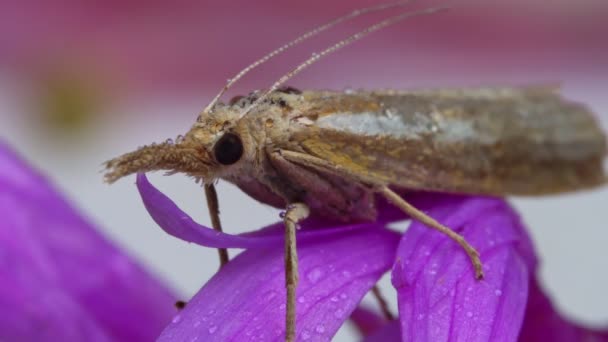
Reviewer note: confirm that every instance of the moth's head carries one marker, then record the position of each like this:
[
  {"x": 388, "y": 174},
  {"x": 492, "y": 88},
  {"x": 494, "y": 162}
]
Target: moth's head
[{"x": 212, "y": 145}]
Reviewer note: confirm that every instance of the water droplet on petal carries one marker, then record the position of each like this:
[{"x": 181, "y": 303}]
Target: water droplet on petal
[
  {"x": 339, "y": 313},
  {"x": 301, "y": 299},
  {"x": 320, "y": 329},
  {"x": 469, "y": 314},
  {"x": 305, "y": 335},
  {"x": 498, "y": 293},
  {"x": 270, "y": 295},
  {"x": 212, "y": 329},
  {"x": 314, "y": 275},
  {"x": 177, "y": 319}
]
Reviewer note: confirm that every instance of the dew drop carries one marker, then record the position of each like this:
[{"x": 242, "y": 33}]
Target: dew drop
[
  {"x": 177, "y": 319},
  {"x": 320, "y": 329},
  {"x": 314, "y": 275},
  {"x": 212, "y": 329},
  {"x": 305, "y": 335},
  {"x": 469, "y": 314},
  {"x": 196, "y": 323},
  {"x": 498, "y": 293},
  {"x": 282, "y": 307},
  {"x": 339, "y": 313},
  {"x": 334, "y": 299},
  {"x": 347, "y": 274},
  {"x": 301, "y": 299},
  {"x": 270, "y": 295}
]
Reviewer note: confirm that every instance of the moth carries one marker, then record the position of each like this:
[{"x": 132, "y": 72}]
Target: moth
[{"x": 332, "y": 153}]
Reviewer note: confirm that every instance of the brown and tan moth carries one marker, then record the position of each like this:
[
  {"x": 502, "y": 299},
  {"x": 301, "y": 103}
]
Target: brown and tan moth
[{"x": 332, "y": 153}]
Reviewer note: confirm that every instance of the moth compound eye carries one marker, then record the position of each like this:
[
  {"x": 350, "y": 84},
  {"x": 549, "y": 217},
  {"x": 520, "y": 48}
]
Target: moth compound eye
[{"x": 228, "y": 150}]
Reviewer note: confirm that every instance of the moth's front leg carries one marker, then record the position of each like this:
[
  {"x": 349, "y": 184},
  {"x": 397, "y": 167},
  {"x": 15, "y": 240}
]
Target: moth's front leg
[
  {"x": 214, "y": 212},
  {"x": 294, "y": 213}
]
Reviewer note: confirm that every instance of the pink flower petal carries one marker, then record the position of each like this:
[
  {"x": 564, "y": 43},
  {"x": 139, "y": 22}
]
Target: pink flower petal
[
  {"x": 439, "y": 299},
  {"x": 367, "y": 321},
  {"x": 544, "y": 323},
  {"x": 62, "y": 277},
  {"x": 391, "y": 332},
  {"x": 374, "y": 327},
  {"x": 177, "y": 223},
  {"x": 245, "y": 300},
  {"x": 34, "y": 309}
]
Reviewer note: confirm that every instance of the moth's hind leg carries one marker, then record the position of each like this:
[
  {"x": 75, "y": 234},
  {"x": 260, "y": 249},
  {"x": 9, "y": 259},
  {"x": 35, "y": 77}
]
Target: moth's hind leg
[
  {"x": 295, "y": 212},
  {"x": 431, "y": 222},
  {"x": 327, "y": 166}
]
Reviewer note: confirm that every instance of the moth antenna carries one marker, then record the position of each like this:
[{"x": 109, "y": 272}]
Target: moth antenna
[
  {"x": 339, "y": 45},
  {"x": 352, "y": 15}
]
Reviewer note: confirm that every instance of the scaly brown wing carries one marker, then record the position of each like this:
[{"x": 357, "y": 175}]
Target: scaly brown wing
[{"x": 498, "y": 141}]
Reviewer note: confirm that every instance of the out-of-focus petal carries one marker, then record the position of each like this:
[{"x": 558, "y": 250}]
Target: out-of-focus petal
[
  {"x": 51, "y": 256},
  {"x": 439, "y": 298},
  {"x": 33, "y": 309},
  {"x": 544, "y": 323},
  {"x": 391, "y": 332},
  {"x": 375, "y": 328},
  {"x": 177, "y": 223},
  {"x": 367, "y": 321},
  {"x": 246, "y": 299}
]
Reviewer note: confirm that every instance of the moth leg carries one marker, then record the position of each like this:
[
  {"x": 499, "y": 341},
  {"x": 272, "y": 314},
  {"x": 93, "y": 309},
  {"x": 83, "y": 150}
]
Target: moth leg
[
  {"x": 322, "y": 164},
  {"x": 214, "y": 212},
  {"x": 382, "y": 302},
  {"x": 294, "y": 213},
  {"x": 431, "y": 222}
]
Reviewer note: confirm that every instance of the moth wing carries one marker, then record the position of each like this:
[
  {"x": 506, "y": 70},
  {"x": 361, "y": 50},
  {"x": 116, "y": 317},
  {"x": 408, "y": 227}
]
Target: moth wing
[{"x": 496, "y": 141}]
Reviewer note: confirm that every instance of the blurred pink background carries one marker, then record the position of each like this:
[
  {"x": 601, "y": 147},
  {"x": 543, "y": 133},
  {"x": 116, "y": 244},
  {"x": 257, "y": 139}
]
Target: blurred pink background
[{"x": 83, "y": 81}]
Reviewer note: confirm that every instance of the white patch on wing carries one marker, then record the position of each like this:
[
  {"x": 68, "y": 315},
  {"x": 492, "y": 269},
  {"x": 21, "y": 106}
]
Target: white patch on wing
[{"x": 412, "y": 126}]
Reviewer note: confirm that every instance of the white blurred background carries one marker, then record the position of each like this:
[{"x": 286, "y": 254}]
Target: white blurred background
[{"x": 83, "y": 83}]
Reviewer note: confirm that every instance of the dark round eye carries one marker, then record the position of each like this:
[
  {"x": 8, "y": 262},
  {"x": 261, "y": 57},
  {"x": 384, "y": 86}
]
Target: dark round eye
[{"x": 228, "y": 150}]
